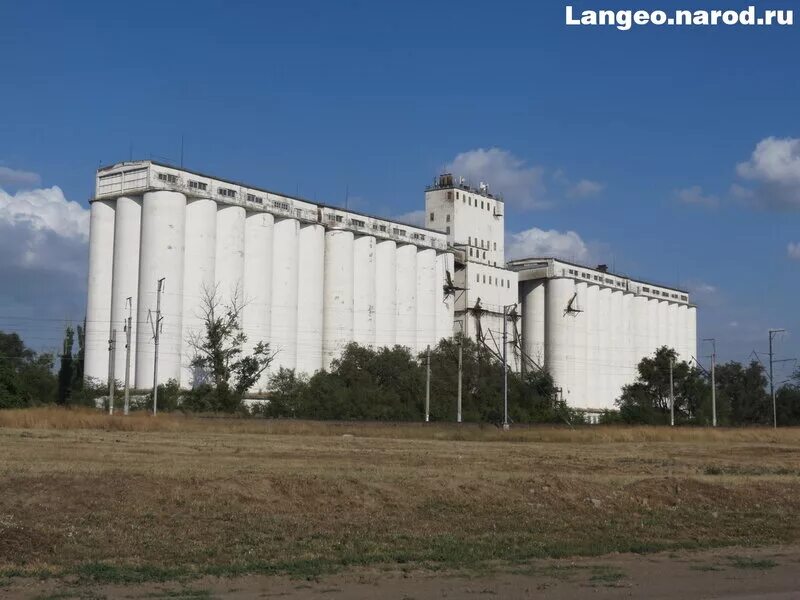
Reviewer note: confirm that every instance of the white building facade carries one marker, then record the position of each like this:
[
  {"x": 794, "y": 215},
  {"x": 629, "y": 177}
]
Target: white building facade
[{"x": 311, "y": 277}]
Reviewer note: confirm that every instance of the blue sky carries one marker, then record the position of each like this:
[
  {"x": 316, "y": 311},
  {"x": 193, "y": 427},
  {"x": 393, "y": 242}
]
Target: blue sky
[{"x": 631, "y": 140}]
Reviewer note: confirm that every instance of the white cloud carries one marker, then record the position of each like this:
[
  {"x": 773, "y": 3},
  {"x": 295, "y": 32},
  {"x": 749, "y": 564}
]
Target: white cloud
[
  {"x": 415, "y": 217},
  {"x": 704, "y": 293},
  {"x": 694, "y": 196},
  {"x": 774, "y": 173},
  {"x": 536, "y": 242},
  {"x": 793, "y": 250},
  {"x": 16, "y": 178},
  {"x": 585, "y": 188},
  {"x": 520, "y": 183},
  {"x": 43, "y": 259}
]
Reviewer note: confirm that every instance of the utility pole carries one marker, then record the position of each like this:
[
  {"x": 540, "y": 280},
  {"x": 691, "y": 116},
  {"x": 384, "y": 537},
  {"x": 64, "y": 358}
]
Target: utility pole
[
  {"x": 128, "y": 321},
  {"x": 156, "y": 335},
  {"x": 671, "y": 395},
  {"x": 505, "y": 367},
  {"x": 460, "y": 370},
  {"x": 772, "y": 333},
  {"x": 713, "y": 380},
  {"x": 111, "y": 344},
  {"x": 428, "y": 389}
]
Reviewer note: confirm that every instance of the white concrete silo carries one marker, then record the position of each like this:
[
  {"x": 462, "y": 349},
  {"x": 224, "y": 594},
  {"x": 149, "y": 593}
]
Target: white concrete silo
[
  {"x": 692, "y": 330},
  {"x": 616, "y": 349},
  {"x": 283, "y": 321},
  {"x": 198, "y": 279},
  {"x": 673, "y": 334},
  {"x": 558, "y": 332},
  {"x": 640, "y": 332},
  {"x": 98, "y": 304},
  {"x": 444, "y": 302},
  {"x": 682, "y": 342},
  {"x": 426, "y": 299},
  {"x": 385, "y": 293},
  {"x": 161, "y": 256},
  {"x": 338, "y": 323},
  {"x": 628, "y": 371},
  {"x": 406, "y": 296},
  {"x": 364, "y": 290},
  {"x": 593, "y": 355},
  {"x": 580, "y": 364},
  {"x": 127, "y": 228},
  {"x": 653, "y": 317},
  {"x": 230, "y": 254},
  {"x": 663, "y": 323},
  {"x": 257, "y": 282},
  {"x": 310, "y": 298},
  {"x": 603, "y": 358},
  {"x": 533, "y": 319}
]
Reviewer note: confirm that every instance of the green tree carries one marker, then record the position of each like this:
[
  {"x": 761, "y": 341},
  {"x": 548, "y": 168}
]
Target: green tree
[
  {"x": 647, "y": 400},
  {"x": 26, "y": 378},
  {"x": 742, "y": 397},
  {"x": 219, "y": 355},
  {"x": 66, "y": 372}
]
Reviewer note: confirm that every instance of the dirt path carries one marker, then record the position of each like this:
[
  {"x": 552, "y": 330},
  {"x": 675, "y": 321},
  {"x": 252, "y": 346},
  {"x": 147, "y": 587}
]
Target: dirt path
[{"x": 743, "y": 574}]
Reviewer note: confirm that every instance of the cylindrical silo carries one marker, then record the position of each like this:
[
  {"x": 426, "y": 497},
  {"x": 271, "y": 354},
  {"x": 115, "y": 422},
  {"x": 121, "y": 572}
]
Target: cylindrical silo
[
  {"x": 257, "y": 282},
  {"x": 127, "y": 227},
  {"x": 364, "y": 290},
  {"x": 628, "y": 367},
  {"x": 692, "y": 330},
  {"x": 617, "y": 349},
  {"x": 337, "y": 325},
  {"x": 663, "y": 323},
  {"x": 604, "y": 358},
  {"x": 98, "y": 304},
  {"x": 558, "y": 332},
  {"x": 682, "y": 332},
  {"x": 385, "y": 293},
  {"x": 406, "y": 285},
  {"x": 310, "y": 298},
  {"x": 444, "y": 302},
  {"x": 672, "y": 328},
  {"x": 230, "y": 254},
  {"x": 640, "y": 331},
  {"x": 532, "y": 296},
  {"x": 652, "y": 326},
  {"x": 198, "y": 280},
  {"x": 161, "y": 257},
  {"x": 426, "y": 298},
  {"x": 580, "y": 364},
  {"x": 594, "y": 382},
  {"x": 283, "y": 320}
]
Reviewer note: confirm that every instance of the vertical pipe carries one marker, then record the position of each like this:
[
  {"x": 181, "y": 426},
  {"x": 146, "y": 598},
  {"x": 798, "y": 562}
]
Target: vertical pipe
[
  {"x": 257, "y": 282},
  {"x": 337, "y": 328},
  {"x": 98, "y": 304},
  {"x": 364, "y": 291},
  {"x": 406, "y": 294},
  {"x": 198, "y": 279},
  {"x": 385, "y": 293},
  {"x": 310, "y": 298},
  {"x": 161, "y": 256},
  {"x": 284, "y": 321},
  {"x": 426, "y": 298},
  {"x": 127, "y": 228}
]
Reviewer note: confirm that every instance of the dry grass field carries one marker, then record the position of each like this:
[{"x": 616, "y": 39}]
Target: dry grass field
[{"x": 88, "y": 497}]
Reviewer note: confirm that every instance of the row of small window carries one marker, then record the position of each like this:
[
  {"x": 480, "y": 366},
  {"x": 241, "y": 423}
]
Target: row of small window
[
  {"x": 655, "y": 292},
  {"x": 497, "y": 281},
  {"x": 433, "y": 217},
  {"x": 465, "y": 199},
  {"x": 598, "y": 278},
  {"x": 484, "y": 244},
  {"x": 376, "y": 227}
]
